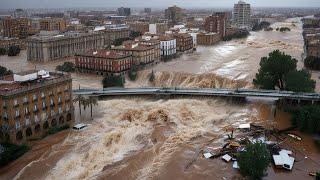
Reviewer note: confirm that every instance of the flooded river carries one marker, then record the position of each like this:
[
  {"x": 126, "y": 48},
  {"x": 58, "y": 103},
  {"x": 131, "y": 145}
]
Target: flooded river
[{"x": 150, "y": 138}]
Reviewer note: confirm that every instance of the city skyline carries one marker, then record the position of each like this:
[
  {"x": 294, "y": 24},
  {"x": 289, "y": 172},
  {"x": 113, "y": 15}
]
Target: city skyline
[{"x": 11, "y": 4}]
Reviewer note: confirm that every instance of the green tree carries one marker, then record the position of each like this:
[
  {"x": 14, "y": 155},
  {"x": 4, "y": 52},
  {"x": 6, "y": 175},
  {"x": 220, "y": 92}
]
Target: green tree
[
  {"x": 113, "y": 81},
  {"x": 312, "y": 63},
  {"x": 134, "y": 34},
  {"x": 254, "y": 161},
  {"x": 318, "y": 176},
  {"x": 119, "y": 42},
  {"x": 133, "y": 72},
  {"x": 66, "y": 67},
  {"x": 4, "y": 71},
  {"x": 80, "y": 100},
  {"x": 260, "y": 26},
  {"x": 273, "y": 70},
  {"x": 284, "y": 29},
  {"x": 307, "y": 118},
  {"x": 11, "y": 152},
  {"x": 299, "y": 81},
  {"x": 152, "y": 77},
  {"x": 13, "y": 51},
  {"x": 91, "y": 101},
  {"x": 3, "y": 51}
]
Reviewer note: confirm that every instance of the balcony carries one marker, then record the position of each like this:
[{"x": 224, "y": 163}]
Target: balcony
[
  {"x": 52, "y": 105},
  {"x": 17, "y": 117},
  {"x": 36, "y": 110}
]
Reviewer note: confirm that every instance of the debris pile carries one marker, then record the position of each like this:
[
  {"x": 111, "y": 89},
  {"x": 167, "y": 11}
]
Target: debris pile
[{"x": 245, "y": 134}]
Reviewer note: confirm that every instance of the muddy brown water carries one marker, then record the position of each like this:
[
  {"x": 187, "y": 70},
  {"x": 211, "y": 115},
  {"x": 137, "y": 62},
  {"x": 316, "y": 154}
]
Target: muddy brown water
[{"x": 139, "y": 138}]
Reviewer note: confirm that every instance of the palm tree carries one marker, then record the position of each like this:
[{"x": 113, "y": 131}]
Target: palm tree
[
  {"x": 81, "y": 100},
  {"x": 91, "y": 101}
]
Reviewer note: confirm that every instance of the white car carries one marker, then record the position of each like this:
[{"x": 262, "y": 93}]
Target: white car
[{"x": 79, "y": 126}]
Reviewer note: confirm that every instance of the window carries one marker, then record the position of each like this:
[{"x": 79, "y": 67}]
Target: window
[
  {"x": 51, "y": 102},
  {"x": 35, "y": 97},
  {"x": 17, "y": 125},
  {"x": 67, "y": 107},
  {"x": 59, "y": 99},
  {"x": 36, "y": 118},
  {"x": 5, "y": 116},
  {"x": 35, "y": 108},
  {"x": 60, "y": 110},
  {"x": 53, "y": 113},
  {"x": 4, "y": 105},
  {"x": 44, "y": 105},
  {"x": 27, "y": 122},
  {"x": 43, "y": 95},
  {"x": 17, "y": 113},
  {"x": 15, "y": 102},
  {"x": 26, "y": 110},
  {"x": 25, "y": 99}
]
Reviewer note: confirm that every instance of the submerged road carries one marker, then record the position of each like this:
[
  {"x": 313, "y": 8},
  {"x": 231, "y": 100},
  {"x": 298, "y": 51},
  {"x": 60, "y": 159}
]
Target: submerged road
[{"x": 241, "y": 93}]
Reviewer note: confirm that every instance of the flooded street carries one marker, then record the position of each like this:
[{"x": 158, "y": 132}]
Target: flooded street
[
  {"x": 153, "y": 138},
  {"x": 233, "y": 61}
]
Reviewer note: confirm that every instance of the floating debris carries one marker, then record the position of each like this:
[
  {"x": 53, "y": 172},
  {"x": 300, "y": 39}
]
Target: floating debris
[
  {"x": 207, "y": 155},
  {"x": 227, "y": 158},
  {"x": 283, "y": 160},
  {"x": 244, "y": 126},
  {"x": 235, "y": 165},
  {"x": 295, "y": 137}
]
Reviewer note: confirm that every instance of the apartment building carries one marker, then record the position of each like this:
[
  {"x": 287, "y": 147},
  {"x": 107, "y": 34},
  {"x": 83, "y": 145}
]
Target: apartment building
[
  {"x": 53, "y": 24},
  {"x": 242, "y": 15},
  {"x": 104, "y": 62},
  {"x": 32, "y": 102},
  {"x": 15, "y": 27},
  {"x": 184, "y": 42}
]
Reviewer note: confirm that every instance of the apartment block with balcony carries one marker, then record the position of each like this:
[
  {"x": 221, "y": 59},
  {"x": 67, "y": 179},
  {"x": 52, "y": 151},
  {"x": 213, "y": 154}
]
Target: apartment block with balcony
[{"x": 32, "y": 102}]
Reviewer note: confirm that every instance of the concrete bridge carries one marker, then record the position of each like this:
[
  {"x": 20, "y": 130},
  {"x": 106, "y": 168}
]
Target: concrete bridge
[{"x": 234, "y": 93}]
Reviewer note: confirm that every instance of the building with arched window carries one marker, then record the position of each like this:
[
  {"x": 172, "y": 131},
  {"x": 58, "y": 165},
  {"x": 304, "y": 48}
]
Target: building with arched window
[{"x": 32, "y": 102}]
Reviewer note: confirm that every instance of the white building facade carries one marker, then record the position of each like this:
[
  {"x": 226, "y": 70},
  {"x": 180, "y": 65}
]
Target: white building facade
[
  {"x": 242, "y": 14},
  {"x": 168, "y": 47}
]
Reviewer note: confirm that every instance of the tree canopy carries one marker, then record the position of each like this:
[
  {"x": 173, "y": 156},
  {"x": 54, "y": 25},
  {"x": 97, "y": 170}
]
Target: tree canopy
[
  {"x": 13, "y": 51},
  {"x": 299, "y": 81},
  {"x": 307, "y": 118},
  {"x": 260, "y": 26},
  {"x": 66, "y": 67},
  {"x": 133, "y": 73},
  {"x": 312, "y": 63},
  {"x": 113, "y": 81},
  {"x": 3, "y": 51},
  {"x": 4, "y": 71},
  {"x": 254, "y": 161},
  {"x": 279, "y": 71}
]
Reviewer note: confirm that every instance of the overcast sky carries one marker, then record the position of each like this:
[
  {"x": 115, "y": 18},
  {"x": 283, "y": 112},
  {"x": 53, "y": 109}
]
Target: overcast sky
[{"x": 6, "y": 4}]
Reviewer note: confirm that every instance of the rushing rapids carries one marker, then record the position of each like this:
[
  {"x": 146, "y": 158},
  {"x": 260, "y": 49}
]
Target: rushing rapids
[{"x": 160, "y": 139}]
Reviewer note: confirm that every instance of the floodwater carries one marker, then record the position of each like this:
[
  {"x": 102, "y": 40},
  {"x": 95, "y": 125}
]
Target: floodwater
[{"x": 146, "y": 138}]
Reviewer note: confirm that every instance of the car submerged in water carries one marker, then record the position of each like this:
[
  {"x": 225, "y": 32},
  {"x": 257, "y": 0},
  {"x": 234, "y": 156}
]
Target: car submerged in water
[{"x": 80, "y": 126}]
